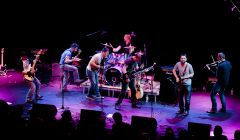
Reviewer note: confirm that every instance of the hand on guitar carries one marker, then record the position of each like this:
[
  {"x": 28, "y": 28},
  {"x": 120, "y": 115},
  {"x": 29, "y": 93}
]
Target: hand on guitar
[
  {"x": 76, "y": 59},
  {"x": 101, "y": 67},
  {"x": 177, "y": 80}
]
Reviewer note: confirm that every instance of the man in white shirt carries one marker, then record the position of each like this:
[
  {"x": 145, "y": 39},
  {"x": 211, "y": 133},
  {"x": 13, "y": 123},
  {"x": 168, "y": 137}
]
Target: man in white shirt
[{"x": 92, "y": 72}]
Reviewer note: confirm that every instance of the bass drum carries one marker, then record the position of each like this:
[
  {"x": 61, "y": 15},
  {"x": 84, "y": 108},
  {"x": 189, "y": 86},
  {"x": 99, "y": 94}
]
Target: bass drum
[{"x": 113, "y": 75}]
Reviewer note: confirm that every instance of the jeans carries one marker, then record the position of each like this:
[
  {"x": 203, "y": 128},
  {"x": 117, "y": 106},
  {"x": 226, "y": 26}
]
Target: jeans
[
  {"x": 123, "y": 92},
  {"x": 184, "y": 89},
  {"x": 34, "y": 87},
  {"x": 65, "y": 68},
  {"x": 93, "y": 77},
  {"x": 217, "y": 88}
]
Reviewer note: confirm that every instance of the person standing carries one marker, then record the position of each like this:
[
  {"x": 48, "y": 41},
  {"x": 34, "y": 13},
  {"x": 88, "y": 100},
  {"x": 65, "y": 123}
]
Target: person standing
[
  {"x": 183, "y": 73},
  {"x": 92, "y": 72},
  {"x": 223, "y": 73},
  {"x": 29, "y": 76},
  {"x": 130, "y": 66}
]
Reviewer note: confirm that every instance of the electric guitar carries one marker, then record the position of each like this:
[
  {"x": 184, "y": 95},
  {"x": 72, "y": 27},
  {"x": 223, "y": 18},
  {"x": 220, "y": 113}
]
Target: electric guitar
[
  {"x": 30, "y": 76},
  {"x": 181, "y": 79},
  {"x": 130, "y": 76}
]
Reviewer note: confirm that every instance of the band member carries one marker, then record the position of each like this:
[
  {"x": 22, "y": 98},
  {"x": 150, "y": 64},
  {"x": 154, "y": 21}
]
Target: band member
[
  {"x": 183, "y": 78},
  {"x": 223, "y": 73},
  {"x": 125, "y": 47},
  {"x": 92, "y": 71},
  {"x": 30, "y": 78},
  {"x": 65, "y": 65},
  {"x": 130, "y": 65}
]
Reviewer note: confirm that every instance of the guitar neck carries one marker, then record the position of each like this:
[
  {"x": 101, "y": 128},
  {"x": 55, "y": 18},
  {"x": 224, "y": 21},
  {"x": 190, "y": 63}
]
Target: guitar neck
[{"x": 144, "y": 70}]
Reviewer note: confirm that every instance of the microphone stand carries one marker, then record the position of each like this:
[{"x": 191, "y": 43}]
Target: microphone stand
[
  {"x": 62, "y": 92},
  {"x": 145, "y": 53}
]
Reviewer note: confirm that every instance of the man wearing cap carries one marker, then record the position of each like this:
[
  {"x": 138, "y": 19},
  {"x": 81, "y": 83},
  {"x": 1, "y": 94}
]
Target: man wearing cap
[{"x": 130, "y": 66}]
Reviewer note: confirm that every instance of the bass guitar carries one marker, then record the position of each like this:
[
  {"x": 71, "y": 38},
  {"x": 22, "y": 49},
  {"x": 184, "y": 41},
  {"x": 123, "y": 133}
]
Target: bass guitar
[
  {"x": 130, "y": 76},
  {"x": 30, "y": 74}
]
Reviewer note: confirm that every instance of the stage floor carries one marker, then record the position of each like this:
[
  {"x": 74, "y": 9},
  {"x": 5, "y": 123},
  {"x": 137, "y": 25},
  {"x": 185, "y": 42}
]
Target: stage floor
[{"x": 13, "y": 90}]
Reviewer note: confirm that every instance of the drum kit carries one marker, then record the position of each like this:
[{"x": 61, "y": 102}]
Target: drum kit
[{"x": 113, "y": 68}]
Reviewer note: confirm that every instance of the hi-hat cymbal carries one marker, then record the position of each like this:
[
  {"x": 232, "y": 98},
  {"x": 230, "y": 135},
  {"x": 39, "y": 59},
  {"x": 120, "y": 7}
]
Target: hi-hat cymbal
[{"x": 129, "y": 47}]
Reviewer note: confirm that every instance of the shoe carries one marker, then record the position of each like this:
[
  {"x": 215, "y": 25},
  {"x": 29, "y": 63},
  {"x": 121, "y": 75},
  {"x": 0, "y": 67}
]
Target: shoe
[
  {"x": 90, "y": 97},
  {"x": 77, "y": 81},
  {"x": 222, "y": 110},
  {"x": 135, "y": 106},
  {"x": 117, "y": 106},
  {"x": 39, "y": 97},
  {"x": 29, "y": 100},
  {"x": 180, "y": 112},
  {"x": 99, "y": 97},
  {"x": 65, "y": 90},
  {"x": 186, "y": 113},
  {"x": 212, "y": 111}
]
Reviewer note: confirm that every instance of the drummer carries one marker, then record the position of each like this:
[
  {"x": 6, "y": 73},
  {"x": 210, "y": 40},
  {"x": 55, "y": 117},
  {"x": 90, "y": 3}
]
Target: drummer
[{"x": 125, "y": 47}]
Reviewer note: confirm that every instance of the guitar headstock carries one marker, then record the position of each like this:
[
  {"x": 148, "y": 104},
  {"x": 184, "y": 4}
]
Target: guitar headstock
[{"x": 38, "y": 54}]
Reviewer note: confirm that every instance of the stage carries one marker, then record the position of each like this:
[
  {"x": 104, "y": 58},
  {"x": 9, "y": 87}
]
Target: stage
[{"x": 13, "y": 90}]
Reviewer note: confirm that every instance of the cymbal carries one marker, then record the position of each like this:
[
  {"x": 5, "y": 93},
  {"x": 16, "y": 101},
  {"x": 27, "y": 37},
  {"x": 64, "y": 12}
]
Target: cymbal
[
  {"x": 129, "y": 47},
  {"x": 105, "y": 44},
  {"x": 35, "y": 51}
]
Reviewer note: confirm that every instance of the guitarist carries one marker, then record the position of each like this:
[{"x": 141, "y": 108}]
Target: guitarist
[
  {"x": 33, "y": 82},
  {"x": 185, "y": 73},
  {"x": 92, "y": 71},
  {"x": 130, "y": 65},
  {"x": 65, "y": 66}
]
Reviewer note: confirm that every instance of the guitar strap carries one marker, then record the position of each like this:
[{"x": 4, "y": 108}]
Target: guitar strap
[{"x": 184, "y": 72}]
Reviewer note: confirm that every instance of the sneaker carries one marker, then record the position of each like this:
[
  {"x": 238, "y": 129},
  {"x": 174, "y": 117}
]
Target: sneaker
[
  {"x": 29, "y": 100},
  {"x": 212, "y": 111},
  {"x": 117, "y": 106},
  {"x": 222, "y": 110},
  {"x": 186, "y": 113},
  {"x": 90, "y": 97},
  {"x": 99, "y": 97},
  {"x": 39, "y": 97},
  {"x": 180, "y": 112},
  {"x": 77, "y": 81}
]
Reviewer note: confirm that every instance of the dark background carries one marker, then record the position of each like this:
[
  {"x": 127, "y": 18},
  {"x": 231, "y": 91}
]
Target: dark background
[{"x": 200, "y": 28}]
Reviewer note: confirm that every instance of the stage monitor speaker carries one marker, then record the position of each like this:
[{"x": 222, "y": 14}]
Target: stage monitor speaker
[
  {"x": 43, "y": 110},
  {"x": 90, "y": 116},
  {"x": 199, "y": 130},
  {"x": 144, "y": 125}
]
